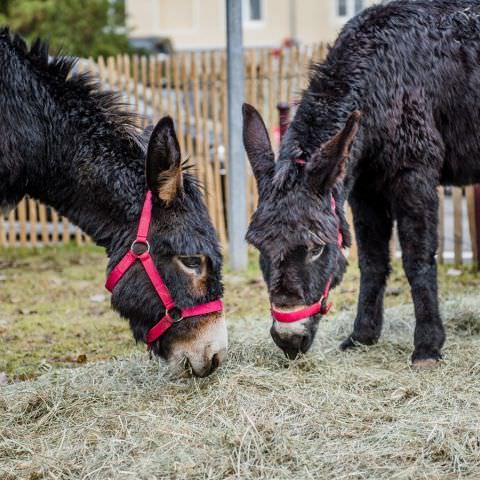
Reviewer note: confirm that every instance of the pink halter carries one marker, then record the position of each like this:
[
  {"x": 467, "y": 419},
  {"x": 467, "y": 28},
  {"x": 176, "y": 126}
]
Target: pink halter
[
  {"x": 173, "y": 314},
  {"x": 321, "y": 306}
]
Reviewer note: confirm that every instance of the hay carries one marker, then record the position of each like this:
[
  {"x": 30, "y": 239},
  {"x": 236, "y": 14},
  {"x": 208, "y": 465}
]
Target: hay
[{"x": 328, "y": 415}]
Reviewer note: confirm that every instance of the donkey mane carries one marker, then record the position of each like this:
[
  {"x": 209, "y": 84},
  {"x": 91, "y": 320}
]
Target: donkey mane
[
  {"x": 59, "y": 70},
  {"x": 67, "y": 143}
]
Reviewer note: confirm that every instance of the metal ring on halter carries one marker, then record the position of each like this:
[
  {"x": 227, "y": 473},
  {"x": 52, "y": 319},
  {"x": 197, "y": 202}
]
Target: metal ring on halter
[
  {"x": 140, "y": 242},
  {"x": 177, "y": 314}
]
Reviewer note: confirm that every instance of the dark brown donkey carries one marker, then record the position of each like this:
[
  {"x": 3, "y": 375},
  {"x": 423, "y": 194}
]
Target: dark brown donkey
[
  {"x": 412, "y": 70},
  {"x": 70, "y": 146}
]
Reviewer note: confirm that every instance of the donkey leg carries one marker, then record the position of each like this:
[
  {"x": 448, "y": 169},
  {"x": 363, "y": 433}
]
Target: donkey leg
[
  {"x": 416, "y": 209},
  {"x": 373, "y": 229}
]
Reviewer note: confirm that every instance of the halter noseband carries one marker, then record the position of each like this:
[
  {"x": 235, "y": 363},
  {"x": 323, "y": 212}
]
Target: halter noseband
[
  {"x": 322, "y": 306},
  {"x": 173, "y": 314}
]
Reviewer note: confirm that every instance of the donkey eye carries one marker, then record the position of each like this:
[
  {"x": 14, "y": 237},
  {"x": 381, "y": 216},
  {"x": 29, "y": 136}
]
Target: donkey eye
[
  {"x": 193, "y": 262},
  {"x": 316, "y": 252}
]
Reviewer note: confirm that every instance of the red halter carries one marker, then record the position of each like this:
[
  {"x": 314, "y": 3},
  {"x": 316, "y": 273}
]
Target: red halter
[
  {"x": 173, "y": 314},
  {"x": 321, "y": 306}
]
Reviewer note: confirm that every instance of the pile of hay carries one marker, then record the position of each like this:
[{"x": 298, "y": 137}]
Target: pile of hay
[{"x": 329, "y": 415}]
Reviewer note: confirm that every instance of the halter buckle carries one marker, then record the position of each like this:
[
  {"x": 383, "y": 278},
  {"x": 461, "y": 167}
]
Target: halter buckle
[
  {"x": 324, "y": 306},
  {"x": 175, "y": 314},
  {"x": 143, "y": 243}
]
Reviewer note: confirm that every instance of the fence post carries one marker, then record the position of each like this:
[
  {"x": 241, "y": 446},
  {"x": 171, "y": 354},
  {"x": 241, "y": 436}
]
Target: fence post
[
  {"x": 457, "y": 225},
  {"x": 470, "y": 194},
  {"x": 284, "y": 117},
  {"x": 441, "y": 223},
  {"x": 477, "y": 221},
  {"x": 237, "y": 201}
]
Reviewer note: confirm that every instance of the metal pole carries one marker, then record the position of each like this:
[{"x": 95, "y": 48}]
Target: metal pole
[
  {"x": 293, "y": 21},
  {"x": 237, "y": 181}
]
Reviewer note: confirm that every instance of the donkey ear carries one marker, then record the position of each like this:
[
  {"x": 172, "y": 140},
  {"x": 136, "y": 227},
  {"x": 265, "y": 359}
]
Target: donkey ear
[
  {"x": 328, "y": 164},
  {"x": 257, "y": 145},
  {"x": 163, "y": 164}
]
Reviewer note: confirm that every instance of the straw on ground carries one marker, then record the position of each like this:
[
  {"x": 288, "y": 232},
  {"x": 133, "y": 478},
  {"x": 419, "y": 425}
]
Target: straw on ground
[{"x": 362, "y": 414}]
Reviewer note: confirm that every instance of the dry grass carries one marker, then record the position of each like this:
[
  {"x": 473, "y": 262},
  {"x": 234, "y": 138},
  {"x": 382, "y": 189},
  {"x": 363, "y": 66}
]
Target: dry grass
[
  {"x": 329, "y": 415},
  {"x": 361, "y": 414},
  {"x": 55, "y": 311}
]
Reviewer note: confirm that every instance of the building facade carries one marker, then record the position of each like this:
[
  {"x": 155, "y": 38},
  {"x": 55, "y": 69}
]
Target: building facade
[{"x": 200, "y": 24}]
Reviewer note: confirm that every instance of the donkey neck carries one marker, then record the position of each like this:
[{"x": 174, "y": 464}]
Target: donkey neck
[
  {"x": 65, "y": 143},
  {"x": 336, "y": 88},
  {"x": 96, "y": 180},
  {"x": 318, "y": 118}
]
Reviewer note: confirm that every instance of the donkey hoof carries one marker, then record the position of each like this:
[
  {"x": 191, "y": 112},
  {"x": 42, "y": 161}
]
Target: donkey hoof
[
  {"x": 354, "y": 342},
  {"x": 425, "y": 363},
  {"x": 348, "y": 344}
]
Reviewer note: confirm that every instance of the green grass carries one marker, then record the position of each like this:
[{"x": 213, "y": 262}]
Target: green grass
[{"x": 55, "y": 311}]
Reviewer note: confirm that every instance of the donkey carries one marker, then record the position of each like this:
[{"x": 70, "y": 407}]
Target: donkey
[
  {"x": 391, "y": 114},
  {"x": 71, "y": 146}
]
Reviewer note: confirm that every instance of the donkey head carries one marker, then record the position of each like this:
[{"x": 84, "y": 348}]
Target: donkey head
[
  {"x": 186, "y": 253},
  {"x": 295, "y": 228}
]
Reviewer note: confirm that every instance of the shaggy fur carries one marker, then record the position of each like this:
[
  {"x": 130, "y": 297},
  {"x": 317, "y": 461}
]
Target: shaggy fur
[
  {"x": 412, "y": 69},
  {"x": 70, "y": 146}
]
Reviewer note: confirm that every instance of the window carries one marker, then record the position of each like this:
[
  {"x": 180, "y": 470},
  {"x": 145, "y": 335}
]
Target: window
[
  {"x": 252, "y": 11},
  {"x": 348, "y": 8},
  {"x": 358, "y": 6}
]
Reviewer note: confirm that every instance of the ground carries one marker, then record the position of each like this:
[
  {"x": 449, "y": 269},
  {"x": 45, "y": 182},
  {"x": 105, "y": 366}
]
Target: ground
[{"x": 361, "y": 414}]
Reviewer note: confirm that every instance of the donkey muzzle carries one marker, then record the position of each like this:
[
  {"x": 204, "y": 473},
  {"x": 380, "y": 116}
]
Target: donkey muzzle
[
  {"x": 294, "y": 338},
  {"x": 203, "y": 351}
]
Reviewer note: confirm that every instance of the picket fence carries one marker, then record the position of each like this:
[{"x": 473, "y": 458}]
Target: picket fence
[{"x": 192, "y": 88}]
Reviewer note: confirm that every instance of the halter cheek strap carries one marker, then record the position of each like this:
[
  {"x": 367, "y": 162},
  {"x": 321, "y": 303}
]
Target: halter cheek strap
[
  {"x": 322, "y": 306},
  {"x": 173, "y": 314}
]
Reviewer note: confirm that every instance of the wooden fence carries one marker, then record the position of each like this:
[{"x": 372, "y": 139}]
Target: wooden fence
[{"x": 192, "y": 88}]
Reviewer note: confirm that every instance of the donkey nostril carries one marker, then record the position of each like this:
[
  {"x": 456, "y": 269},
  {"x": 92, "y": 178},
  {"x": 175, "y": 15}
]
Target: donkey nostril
[
  {"x": 206, "y": 369},
  {"x": 306, "y": 343},
  {"x": 292, "y": 346},
  {"x": 187, "y": 365},
  {"x": 215, "y": 363}
]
